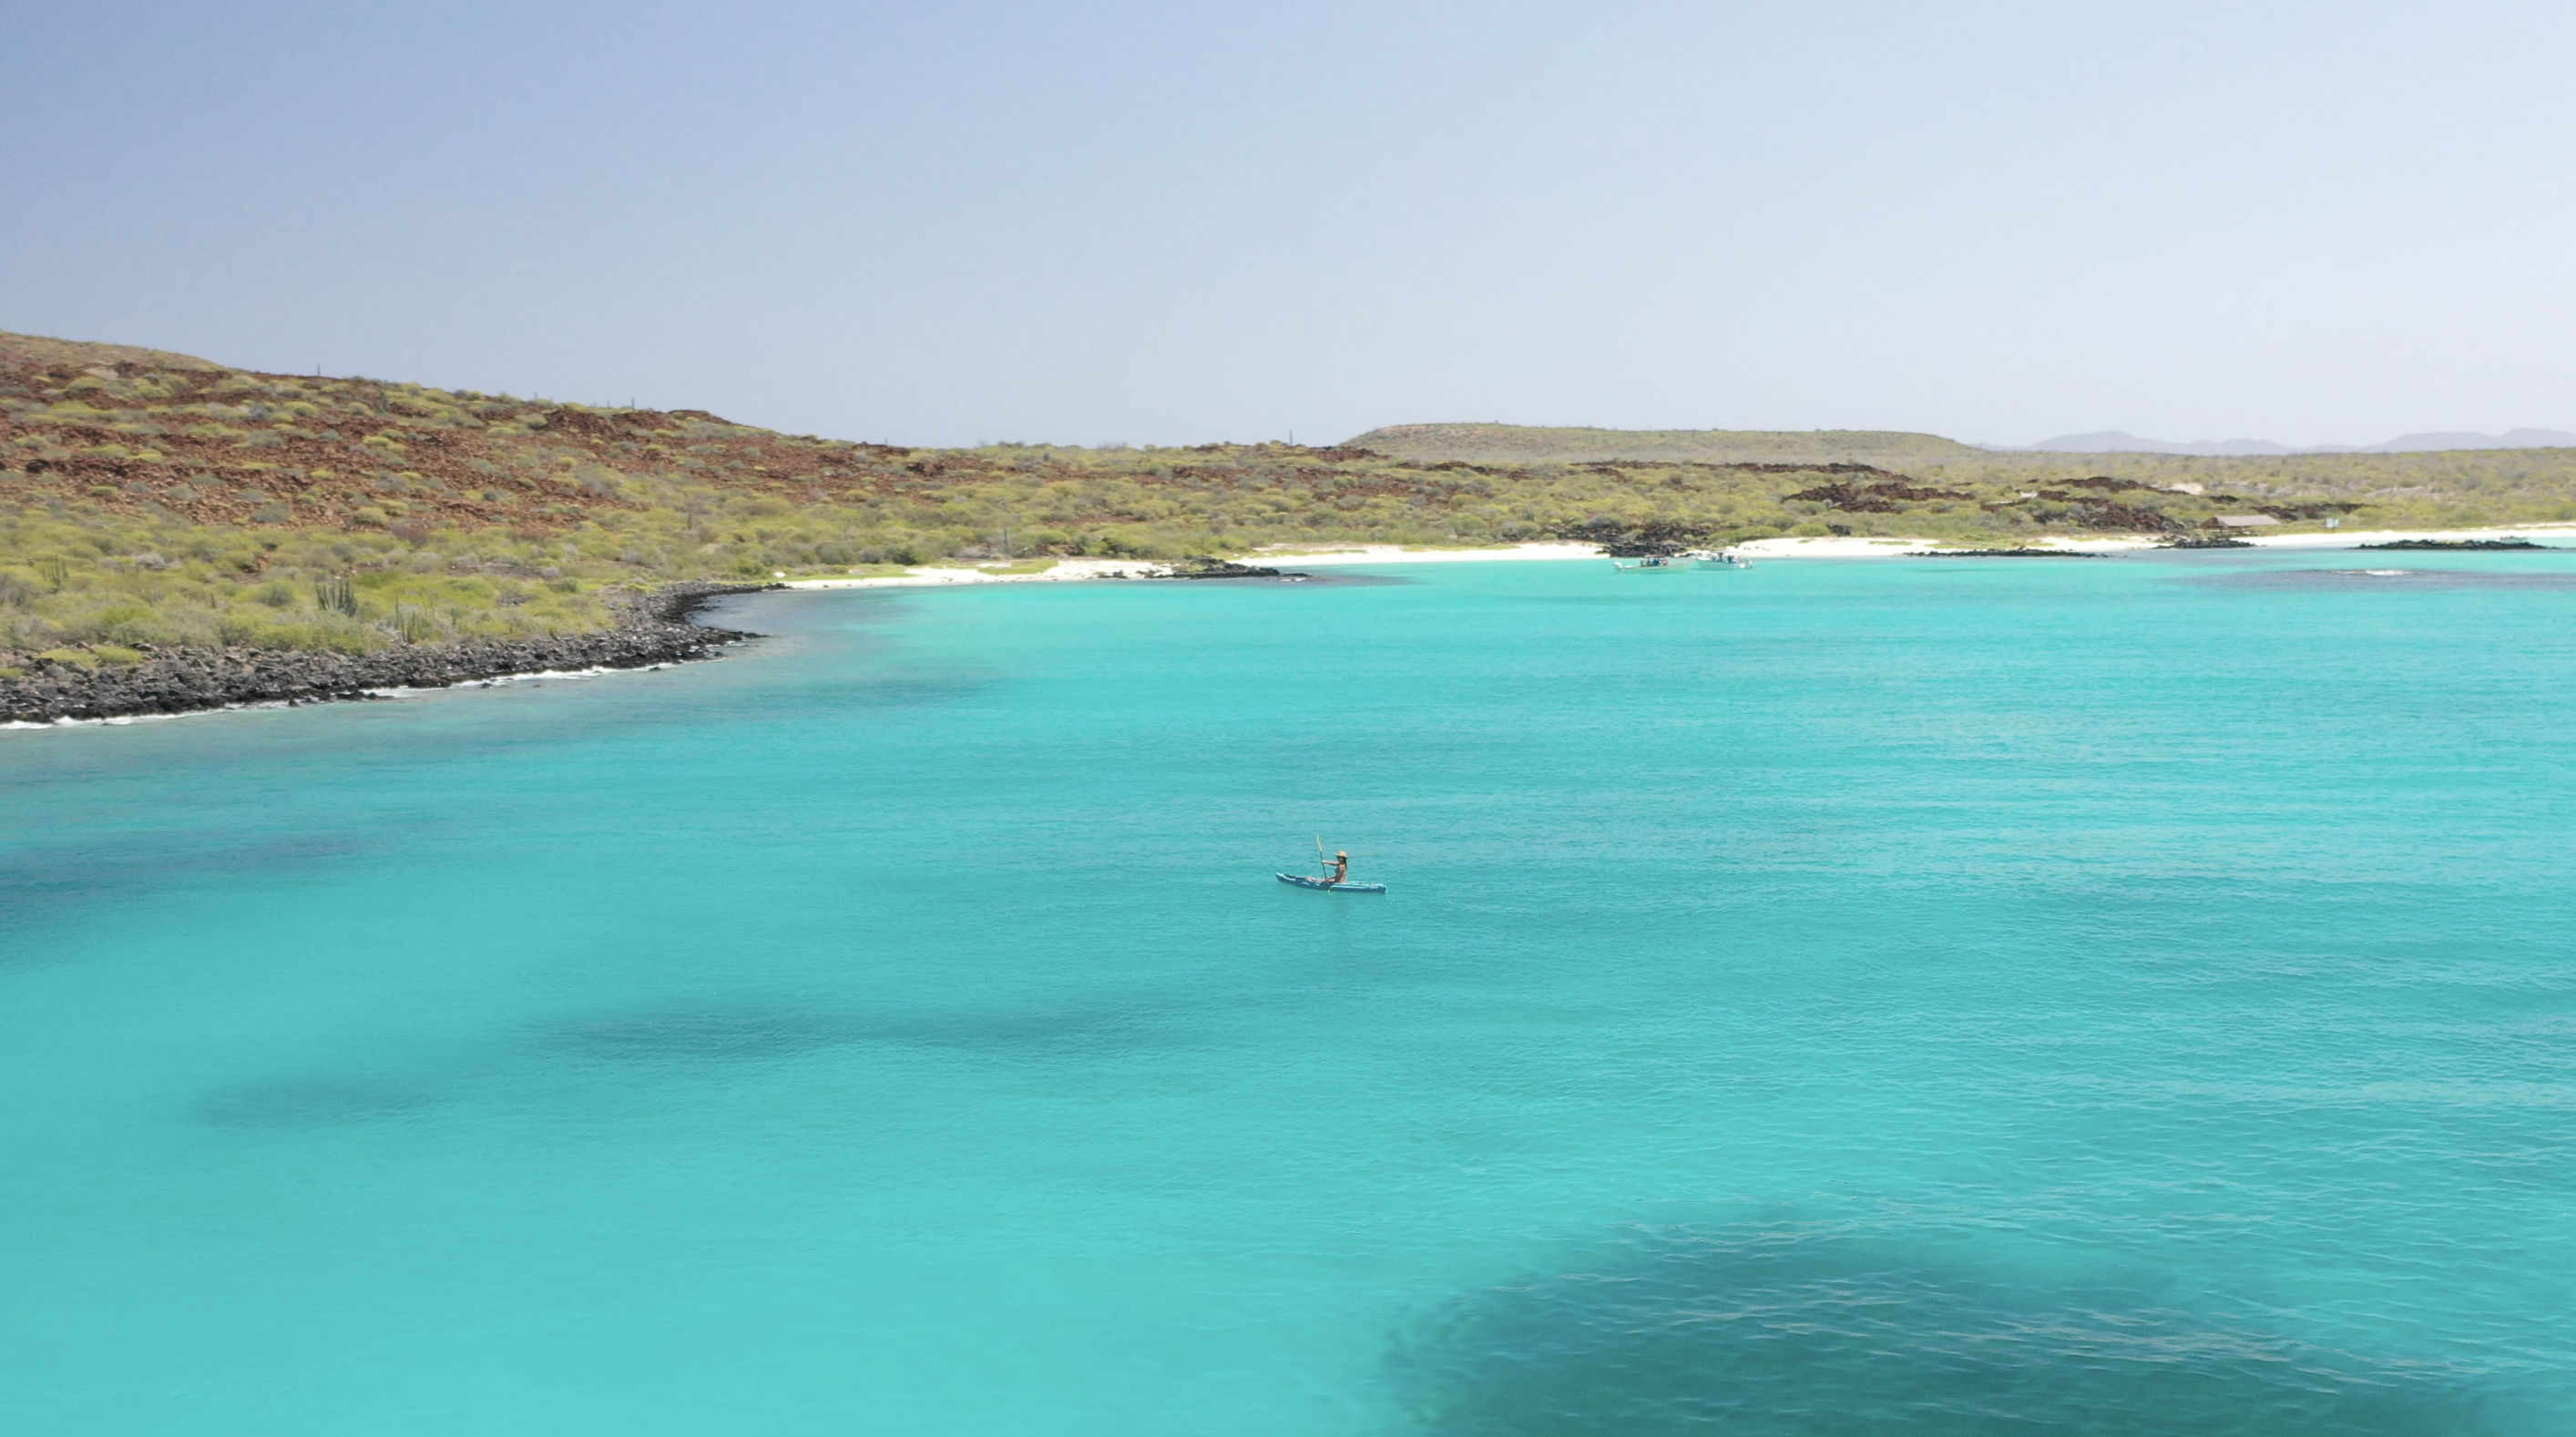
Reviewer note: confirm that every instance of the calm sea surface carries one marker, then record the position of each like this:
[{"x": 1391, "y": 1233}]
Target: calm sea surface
[{"x": 1933, "y": 996}]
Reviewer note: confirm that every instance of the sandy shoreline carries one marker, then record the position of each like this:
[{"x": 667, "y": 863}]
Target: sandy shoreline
[
  {"x": 1858, "y": 548},
  {"x": 1837, "y": 547}
]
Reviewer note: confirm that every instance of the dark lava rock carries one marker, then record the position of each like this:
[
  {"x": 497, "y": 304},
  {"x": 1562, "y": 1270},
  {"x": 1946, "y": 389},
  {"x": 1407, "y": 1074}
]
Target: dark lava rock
[
  {"x": 1199, "y": 566},
  {"x": 653, "y": 629},
  {"x": 2219, "y": 543},
  {"x": 2002, "y": 554},
  {"x": 1650, "y": 540},
  {"x": 2456, "y": 544},
  {"x": 1879, "y": 498}
]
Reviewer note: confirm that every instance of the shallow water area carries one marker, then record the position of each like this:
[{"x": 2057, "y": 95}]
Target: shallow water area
[{"x": 2118, "y": 997}]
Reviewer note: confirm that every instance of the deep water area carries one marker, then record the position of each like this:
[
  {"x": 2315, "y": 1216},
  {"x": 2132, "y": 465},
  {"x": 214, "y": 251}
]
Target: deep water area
[{"x": 2127, "y": 997}]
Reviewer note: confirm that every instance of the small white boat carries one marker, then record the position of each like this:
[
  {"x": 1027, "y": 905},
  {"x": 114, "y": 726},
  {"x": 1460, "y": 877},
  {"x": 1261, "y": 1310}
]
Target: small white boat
[
  {"x": 1718, "y": 559},
  {"x": 1656, "y": 564}
]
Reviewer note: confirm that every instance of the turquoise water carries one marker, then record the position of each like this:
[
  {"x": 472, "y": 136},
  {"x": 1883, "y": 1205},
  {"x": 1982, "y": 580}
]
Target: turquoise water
[{"x": 1930, "y": 996}]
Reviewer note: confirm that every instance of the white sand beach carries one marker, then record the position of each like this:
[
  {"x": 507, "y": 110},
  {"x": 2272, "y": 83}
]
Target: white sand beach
[
  {"x": 1062, "y": 571},
  {"x": 1399, "y": 554},
  {"x": 1076, "y": 570},
  {"x": 1834, "y": 547}
]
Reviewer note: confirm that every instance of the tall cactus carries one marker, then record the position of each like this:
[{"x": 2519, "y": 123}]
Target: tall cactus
[{"x": 337, "y": 595}]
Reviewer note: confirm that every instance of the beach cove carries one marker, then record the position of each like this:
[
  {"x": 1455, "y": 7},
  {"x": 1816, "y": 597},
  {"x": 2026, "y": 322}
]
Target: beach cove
[
  {"x": 1079, "y": 570},
  {"x": 2112, "y": 997}
]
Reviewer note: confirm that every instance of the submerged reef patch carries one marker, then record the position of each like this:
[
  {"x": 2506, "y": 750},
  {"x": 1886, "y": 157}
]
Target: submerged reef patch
[{"x": 1775, "y": 1331}]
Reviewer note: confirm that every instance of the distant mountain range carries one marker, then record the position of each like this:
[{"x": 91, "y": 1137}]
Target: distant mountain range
[
  {"x": 2117, "y": 441},
  {"x": 1539, "y": 444}
]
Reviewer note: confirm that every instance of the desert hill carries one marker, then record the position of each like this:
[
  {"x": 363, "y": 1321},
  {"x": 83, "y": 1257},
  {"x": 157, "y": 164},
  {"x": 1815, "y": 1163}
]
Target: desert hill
[
  {"x": 1531, "y": 444},
  {"x": 35, "y": 351},
  {"x": 179, "y": 436},
  {"x": 2120, "y": 441}
]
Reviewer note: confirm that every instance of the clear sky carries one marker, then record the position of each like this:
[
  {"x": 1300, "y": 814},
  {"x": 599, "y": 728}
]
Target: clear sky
[{"x": 1168, "y": 223}]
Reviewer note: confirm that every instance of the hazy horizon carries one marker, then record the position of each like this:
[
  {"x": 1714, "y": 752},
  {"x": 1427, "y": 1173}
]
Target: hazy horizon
[
  {"x": 2095, "y": 441},
  {"x": 1157, "y": 224},
  {"x": 2090, "y": 442}
]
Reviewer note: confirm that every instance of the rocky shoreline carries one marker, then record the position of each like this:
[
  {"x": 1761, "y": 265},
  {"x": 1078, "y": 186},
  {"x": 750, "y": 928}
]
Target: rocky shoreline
[
  {"x": 653, "y": 629},
  {"x": 2003, "y": 554},
  {"x": 1202, "y": 567}
]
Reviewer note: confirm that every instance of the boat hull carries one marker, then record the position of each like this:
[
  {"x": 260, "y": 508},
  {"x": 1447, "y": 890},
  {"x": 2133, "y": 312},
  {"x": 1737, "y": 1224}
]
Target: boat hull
[{"x": 1300, "y": 880}]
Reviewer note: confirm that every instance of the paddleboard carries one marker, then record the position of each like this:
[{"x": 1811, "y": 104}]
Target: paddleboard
[{"x": 1302, "y": 881}]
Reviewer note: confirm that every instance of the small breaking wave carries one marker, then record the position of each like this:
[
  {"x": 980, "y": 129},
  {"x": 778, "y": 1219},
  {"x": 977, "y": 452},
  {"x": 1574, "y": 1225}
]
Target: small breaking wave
[{"x": 500, "y": 680}]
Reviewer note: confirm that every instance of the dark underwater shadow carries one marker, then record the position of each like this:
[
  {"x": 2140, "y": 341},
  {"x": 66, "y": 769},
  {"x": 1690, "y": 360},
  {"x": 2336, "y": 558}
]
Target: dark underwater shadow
[
  {"x": 67, "y": 874},
  {"x": 1612, "y": 598},
  {"x": 686, "y": 1046},
  {"x": 296, "y": 1103},
  {"x": 688, "y": 1039},
  {"x": 2389, "y": 577},
  {"x": 1767, "y": 1333},
  {"x": 840, "y": 691},
  {"x": 1325, "y": 580}
]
